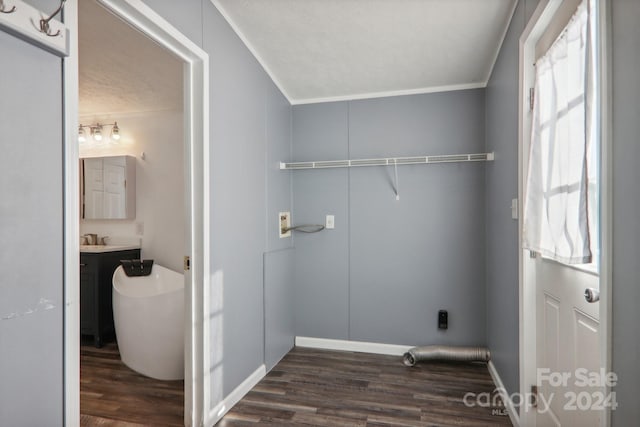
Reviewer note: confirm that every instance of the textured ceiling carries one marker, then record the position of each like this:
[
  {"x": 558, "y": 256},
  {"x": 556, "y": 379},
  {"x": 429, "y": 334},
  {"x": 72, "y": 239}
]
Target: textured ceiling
[
  {"x": 319, "y": 50},
  {"x": 121, "y": 70}
]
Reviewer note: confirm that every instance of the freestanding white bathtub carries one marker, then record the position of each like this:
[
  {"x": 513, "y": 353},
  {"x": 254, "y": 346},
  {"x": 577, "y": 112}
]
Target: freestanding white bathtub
[{"x": 148, "y": 313}]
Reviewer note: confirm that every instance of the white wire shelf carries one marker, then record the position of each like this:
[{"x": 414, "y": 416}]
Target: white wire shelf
[{"x": 389, "y": 161}]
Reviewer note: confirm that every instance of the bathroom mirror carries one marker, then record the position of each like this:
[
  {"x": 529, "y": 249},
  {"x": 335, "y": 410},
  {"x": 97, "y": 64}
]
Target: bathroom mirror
[{"x": 107, "y": 187}]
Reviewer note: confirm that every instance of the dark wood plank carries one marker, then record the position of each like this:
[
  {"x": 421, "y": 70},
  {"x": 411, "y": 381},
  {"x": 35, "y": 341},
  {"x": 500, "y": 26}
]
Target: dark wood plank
[
  {"x": 90, "y": 421},
  {"x": 332, "y": 388},
  {"x": 308, "y": 387},
  {"x": 113, "y": 395}
]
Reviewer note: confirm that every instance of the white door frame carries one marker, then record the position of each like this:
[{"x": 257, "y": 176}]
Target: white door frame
[
  {"x": 197, "y": 167},
  {"x": 534, "y": 29}
]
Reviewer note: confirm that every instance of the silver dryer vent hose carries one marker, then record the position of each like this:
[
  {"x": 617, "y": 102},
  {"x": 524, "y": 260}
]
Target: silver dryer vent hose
[{"x": 448, "y": 353}]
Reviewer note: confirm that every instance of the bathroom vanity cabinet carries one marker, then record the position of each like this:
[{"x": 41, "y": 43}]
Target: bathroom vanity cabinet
[{"x": 96, "y": 271}]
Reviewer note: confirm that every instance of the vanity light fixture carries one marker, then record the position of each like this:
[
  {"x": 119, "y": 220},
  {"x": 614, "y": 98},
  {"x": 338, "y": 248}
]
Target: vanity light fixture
[
  {"x": 95, "y": 130},
  {"x": 115, "y": 132},
  {"x": 97, "y": 133},
  {"x": 81, "y": 136}
]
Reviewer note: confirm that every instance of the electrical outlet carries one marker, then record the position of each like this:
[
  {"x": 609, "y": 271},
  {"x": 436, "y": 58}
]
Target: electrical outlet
[
  {"x": 330, "y": 222},
  {"x": 140, "y": 228},
  {"x": 443, "y": 319},
  {"x": 284, "y": 223}
]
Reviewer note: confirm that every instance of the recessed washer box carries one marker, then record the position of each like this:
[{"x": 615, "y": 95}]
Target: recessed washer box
[{"x": 284, "y": 223}]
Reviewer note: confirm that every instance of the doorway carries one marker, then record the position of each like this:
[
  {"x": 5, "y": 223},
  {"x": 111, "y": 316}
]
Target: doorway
[
  {"x": 564, "y": 337},
  {"x": 132, "y": 184},
  {"x": 196, "y": 174}
]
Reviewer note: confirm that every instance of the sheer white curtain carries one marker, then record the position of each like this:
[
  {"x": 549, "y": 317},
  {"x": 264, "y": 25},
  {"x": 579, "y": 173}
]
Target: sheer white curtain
[{"x": 556, "y": 218}]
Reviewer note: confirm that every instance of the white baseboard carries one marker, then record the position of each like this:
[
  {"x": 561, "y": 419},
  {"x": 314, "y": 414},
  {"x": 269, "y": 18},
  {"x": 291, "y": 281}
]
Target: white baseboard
[
  {"x": 234, "y": 397},
  {"x": 357, "y": 346},
  {"x": 508, "y": 403}
]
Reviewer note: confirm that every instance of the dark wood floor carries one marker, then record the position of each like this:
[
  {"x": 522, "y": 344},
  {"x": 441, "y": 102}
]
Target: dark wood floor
[
  {"x": 308, "y": 387},
  {"x": 112, "y": 395},
  {"x": 328, "y": 388}
]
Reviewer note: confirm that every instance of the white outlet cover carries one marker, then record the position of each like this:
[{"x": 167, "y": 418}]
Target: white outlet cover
[{"x": 330, "y": 222}]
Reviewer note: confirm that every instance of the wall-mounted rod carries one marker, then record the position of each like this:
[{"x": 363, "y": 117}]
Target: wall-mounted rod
[{"x": 390, "y": 161}]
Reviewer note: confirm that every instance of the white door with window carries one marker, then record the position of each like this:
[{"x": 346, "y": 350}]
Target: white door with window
[{"x": 561, "y": 223}]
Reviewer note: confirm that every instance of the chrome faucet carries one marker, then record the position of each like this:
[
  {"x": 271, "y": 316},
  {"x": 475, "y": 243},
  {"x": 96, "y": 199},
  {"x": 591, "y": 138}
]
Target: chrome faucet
[{"x": 91, "y": 239}]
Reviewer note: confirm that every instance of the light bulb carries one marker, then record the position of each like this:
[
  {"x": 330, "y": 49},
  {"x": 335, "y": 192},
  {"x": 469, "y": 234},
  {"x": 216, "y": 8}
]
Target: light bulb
[
  {"x": 97, "y": 133},
  {"x": 115, "y": 132},
  {"x": 81, "y": 136}
]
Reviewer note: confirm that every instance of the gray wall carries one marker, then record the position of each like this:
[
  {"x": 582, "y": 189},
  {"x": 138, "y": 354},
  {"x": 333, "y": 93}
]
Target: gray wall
[
  {"x": 278, "y": 305},
  {"x": 501, "y": 187},
  {"x": 250, "y": 126},
  {"x": 320, "y": 132},
  {"x": 31, "y": 232},
  {"x": 382, "y": 274},
  {"x": 278, "y": 260},
  {"x": 626, "y": 205}
]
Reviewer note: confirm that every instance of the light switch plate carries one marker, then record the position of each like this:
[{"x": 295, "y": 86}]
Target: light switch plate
[
  {"x": 514, "y": 208},
  {"x": 330, "y": 222}
]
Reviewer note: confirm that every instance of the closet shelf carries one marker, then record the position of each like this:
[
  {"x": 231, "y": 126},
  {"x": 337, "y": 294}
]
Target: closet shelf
[{"x": 389, "y": 161}]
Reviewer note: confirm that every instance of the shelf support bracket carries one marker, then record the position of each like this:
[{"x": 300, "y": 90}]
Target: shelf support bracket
[{"x": 396, "y": 189}]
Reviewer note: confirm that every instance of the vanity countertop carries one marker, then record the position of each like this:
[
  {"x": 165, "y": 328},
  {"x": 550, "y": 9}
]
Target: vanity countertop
[{"x": 94, "y": 249}]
